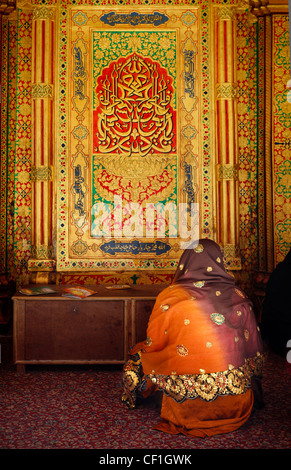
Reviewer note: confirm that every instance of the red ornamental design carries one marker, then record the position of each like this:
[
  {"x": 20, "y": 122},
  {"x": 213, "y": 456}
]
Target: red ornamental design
[
  {"x": 115, "y": 184},
  {"x": 134, "y": 113},
  {"x": 190, "y": 384}
]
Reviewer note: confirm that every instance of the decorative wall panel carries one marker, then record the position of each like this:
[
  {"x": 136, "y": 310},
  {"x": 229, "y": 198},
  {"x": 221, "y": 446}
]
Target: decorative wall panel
[
  {"x": 247, "y": 93},
  {"x": 281, "y": 144},
  {"x": 131, "y": 130},
  {"x": 23, "y": 124},
  {"x": 116, "y": 108}
]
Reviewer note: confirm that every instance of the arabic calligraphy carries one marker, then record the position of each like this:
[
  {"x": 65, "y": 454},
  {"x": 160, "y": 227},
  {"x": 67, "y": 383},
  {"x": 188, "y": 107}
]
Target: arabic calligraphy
[
  {"x": 135, "y": 247},
  {"x": 134, "y": 18},
  {"x": 134, "y": 112}
]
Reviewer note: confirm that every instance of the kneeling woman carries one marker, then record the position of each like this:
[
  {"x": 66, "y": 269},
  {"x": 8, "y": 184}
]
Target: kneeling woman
[{"x": 203, "y": 350}]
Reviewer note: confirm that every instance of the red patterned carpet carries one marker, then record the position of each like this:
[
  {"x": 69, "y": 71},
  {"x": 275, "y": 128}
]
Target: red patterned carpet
[{"x": 80, "y": 408}]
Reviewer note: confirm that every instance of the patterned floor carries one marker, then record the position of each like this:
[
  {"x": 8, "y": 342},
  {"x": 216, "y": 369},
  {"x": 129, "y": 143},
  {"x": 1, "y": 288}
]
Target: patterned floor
[{"x": 80, "y": 408}]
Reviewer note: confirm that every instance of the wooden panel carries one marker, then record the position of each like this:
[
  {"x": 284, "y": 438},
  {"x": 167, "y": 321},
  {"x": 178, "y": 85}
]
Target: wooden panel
[
  {"x": 143, "y": 309},
  {"x": 74, "y": 330},
  {"x": 18, "y": 330}
]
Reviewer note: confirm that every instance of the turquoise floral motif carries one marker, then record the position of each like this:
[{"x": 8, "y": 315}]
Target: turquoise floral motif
[
  {"x": 218, "y": 318},
  {"x": 199, "y": 284}
]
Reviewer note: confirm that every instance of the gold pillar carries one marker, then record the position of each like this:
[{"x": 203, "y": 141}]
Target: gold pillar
[
  {"x": 227, "y": 196},
  {"x": 42, "y": 90}
]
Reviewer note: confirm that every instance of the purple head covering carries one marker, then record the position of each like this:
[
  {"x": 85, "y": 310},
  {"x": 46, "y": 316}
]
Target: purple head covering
[{"x": 202, "y": 273}]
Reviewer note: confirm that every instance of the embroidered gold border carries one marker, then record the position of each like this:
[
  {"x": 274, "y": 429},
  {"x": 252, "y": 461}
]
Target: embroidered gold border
[{"x": 208, "y": 386}]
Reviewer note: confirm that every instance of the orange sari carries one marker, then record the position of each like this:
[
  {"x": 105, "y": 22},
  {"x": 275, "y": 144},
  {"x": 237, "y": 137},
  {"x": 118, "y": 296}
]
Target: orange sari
[{"x": 201, "y": 351}]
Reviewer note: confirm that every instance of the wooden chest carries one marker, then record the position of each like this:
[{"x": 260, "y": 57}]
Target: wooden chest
[{"x": 100, "y": 329}]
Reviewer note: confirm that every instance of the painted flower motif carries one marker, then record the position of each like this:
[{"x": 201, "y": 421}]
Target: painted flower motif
[
  {"x": 170, "y": 54},
  {"x": 134, "y": 42},
  {"x": 199, "y": 248},
  {"x": 115, "y": 37},
  {"x": 165, "y": 43},
  {"x": 199, "y": 284},
  {"x": 218, "y": 318},
  {"x": 104, "y": 43},
  {"x": 182, "y": 350}
]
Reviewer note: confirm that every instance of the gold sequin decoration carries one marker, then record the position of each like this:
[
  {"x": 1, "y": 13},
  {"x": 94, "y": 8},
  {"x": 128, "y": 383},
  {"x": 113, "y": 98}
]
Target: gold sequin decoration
[
  {"x": 187, "y": 321},
  {"x": 131, "y": 379},
  {"x": 166, "y": 332},
  {"x": 199, "y": 284},
  {"x": 208, "y": 386},
  {"x": 218, "y": 259},
  {"x": 164, "y": 307},
  {"x": 149, "y": 341},
  {"x": 209, "y": 269},
  {"x": 246, "y": 335},
  {"x": 199, "y": 248},
  {"x": 181, "y": 267},
  {"x": 240, "y": 293},
  {"x": 192, "y": 298},
  {"x": 236, "y": 339},
  {"x": 218, "y": 293},
  {"x": 208, "y": 344},
  {"x": 238, "y": 313},
  {"x": 182, "y": 350},
  {"x": 218, "y": 318}
]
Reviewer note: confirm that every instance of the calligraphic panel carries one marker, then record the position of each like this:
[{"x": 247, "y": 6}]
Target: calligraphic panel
[{"x": 130, "y": 134}]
